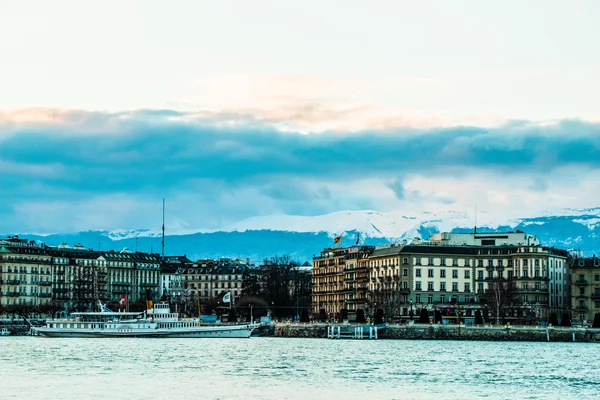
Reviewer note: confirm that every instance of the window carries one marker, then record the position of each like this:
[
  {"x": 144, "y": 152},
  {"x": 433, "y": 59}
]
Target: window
[
  {"x": 537, "y": 262},
  {"x": 405, "y": 260},
  {"x": 430, "y": 261},
  {"x": 430, "y": 273},
  {"x": 490, "y": 274},
  {"x": 418, "y": 285},
  {"x": 597, "y": 278},
  {"x": 480, "y": 263},
  {"x": 467, "y": 274},
  {"x": 430, "y": 286},
  {"x": 430, "y": 298},
  {"x": 525, "y": 273},
  {"x": 525, "y": 262},
  {"x": 510, "y": 274},
  {"x": 418, "y": 298},
  {"x": 455, "y": 262},
  {"x": 405, "y": 272},
  {"x": 418, "y": 272},
  {"x": 480, "y": 275},
  {"x": 455, "y": 286},
  {"x": 442, "y": 286},
  {"x": 455, "y": 273},
  {"x": 418, "y": 261},
  {"x": 467, "y": 263},
  {"x": 537, "y": 272},
  {"x": 442, "y": 273},
  {"x": 480, "y": 287},
  {"x": 442, "y": 261},
  {"x": 467, "y": 299},
  {"x": 442, "y": 298},
  {"x": 467, "y": 287},
  {"x": 490, "y": 263}
]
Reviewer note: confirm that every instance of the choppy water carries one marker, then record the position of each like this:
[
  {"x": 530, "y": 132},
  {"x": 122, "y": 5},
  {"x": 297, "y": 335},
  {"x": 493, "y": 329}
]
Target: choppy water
[{"x": 277, "y": 368}]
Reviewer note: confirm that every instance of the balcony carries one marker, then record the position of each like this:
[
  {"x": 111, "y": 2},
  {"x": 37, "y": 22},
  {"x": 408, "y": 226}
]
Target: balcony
[
  {"x": 44, "y": 283},
  {"x": 13, "y": 281},
  {"x": 13, "y": 294},
  {"x": 580, "y": 282},
  {"x": 581, "y": 309},
  {"x": 596, "y": 296}
]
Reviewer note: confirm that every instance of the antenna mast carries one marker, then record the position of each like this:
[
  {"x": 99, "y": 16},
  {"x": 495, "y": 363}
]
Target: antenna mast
[{"x": 163, "y": 232}]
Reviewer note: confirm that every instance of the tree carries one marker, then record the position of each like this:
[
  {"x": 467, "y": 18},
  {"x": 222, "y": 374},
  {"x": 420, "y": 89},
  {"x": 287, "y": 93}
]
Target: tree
[
  {"x": 360, "y": 316},
  {"x": 553, "y": 320},
  {"x": 478, "y": 318},
  {"x": 596, "y": 323},
  {"x": 424, "y": 316},
  {"x": 250, "y": 283},
  {"x": 231, "y": 317},
  {"x": 565, "y": 320},
  {"x": 500, "y": 297}
]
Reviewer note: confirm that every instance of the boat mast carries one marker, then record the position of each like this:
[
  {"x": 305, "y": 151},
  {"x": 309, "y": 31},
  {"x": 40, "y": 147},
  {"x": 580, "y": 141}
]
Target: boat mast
[{"x": 163, "y": 232}]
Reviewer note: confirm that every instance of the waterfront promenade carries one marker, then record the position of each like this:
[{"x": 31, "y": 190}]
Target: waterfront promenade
[{"x": 445, "y": 332}]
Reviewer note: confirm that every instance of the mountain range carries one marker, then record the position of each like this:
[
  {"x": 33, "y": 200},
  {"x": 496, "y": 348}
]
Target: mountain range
[{"x": 301, "y": 236}]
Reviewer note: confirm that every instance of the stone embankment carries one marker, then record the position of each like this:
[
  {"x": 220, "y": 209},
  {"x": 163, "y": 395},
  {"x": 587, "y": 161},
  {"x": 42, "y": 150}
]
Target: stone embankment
[{"x": 450, "y": 332}]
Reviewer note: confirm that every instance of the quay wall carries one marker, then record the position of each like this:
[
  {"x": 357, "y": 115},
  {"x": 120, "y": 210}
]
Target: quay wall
[{"x": 449, "y": 332}]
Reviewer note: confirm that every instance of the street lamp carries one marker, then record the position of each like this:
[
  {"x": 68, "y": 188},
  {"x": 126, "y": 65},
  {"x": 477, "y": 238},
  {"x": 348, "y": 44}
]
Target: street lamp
[{"x": 412, "y": 313}]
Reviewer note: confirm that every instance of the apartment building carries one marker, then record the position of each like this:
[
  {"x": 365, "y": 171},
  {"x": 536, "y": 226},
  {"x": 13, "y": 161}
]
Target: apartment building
[
  {"x": 328, "y": 281},
  {"x": 585, "y": 288},
  {"x": 25, "y": 273},
  {"x": 510, "y": 275},
  {"x": 208, "y": 279}
]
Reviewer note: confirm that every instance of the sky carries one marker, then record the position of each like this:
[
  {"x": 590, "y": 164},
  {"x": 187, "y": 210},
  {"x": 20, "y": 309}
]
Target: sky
[{"x": 236, "y": 109}]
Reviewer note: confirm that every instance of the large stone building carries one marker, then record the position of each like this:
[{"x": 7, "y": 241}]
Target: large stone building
[
  {"x": 510, "y": 276},
  {"x": 74, "y": 278},
  {"x": 208, "y": 279},
  {"x": 585, "y": 288}
]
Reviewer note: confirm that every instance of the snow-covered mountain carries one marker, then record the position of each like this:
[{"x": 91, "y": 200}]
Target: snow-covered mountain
[{"x": 302, "y": 236}]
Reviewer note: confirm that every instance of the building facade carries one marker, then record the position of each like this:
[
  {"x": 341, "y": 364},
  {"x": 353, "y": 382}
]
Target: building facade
[
  {"x": 510, "y": 277},
  {"x": 585, "y": 288}
]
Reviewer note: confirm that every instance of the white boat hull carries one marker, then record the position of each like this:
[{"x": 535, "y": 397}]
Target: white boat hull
[{"x": 235, "y": 331}]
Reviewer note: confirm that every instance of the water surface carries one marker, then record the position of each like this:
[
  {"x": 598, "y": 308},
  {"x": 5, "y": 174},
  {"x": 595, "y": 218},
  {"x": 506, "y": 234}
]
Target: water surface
[{"x": 282, "y": 368}]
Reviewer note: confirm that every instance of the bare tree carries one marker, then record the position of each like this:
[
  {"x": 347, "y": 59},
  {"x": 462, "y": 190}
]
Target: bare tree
[{"x": 501, "y": 296}]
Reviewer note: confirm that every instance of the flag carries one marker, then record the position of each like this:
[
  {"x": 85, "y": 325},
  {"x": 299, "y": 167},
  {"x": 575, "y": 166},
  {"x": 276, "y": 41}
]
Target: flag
[
  {"x": 337, "y": 239},
  {"x": 227, "y": 298},
  {"x": 122, "y": 301}
]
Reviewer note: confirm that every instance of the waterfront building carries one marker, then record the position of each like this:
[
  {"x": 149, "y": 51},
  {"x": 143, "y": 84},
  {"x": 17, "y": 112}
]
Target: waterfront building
[
  {"x": 25, "y": 273},
  {"x": 356, "y": 279},
  {"x": 508, "y": 276},
  {"x": 171, "y": 285},
  {"x": 585, "y": 284},
  {"x": 328, "y": 281},
  {"x": 131, "y": 274},
  {"x": 207, "y": 279}
]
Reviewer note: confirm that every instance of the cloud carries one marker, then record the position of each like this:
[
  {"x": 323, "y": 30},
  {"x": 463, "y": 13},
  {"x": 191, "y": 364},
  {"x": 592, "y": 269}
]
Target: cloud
[{"x": 222, "y": 171}]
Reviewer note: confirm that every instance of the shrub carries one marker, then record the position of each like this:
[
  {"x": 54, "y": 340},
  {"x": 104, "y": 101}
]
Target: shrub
[
  {"x": 360, "y": 316},
  {"x": 424, "y": 316},
  {"x": 553, "y": 319},
  {"x": 565, "y": 320},
  {"x": 596, "y": 323},
  {"x": 322, "y": 315},
  {"x": 232, "y": 317}
]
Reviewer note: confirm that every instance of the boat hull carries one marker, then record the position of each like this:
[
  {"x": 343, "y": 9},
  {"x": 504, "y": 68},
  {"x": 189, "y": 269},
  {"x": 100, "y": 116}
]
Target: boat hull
[{"x": 240, "y": 331}]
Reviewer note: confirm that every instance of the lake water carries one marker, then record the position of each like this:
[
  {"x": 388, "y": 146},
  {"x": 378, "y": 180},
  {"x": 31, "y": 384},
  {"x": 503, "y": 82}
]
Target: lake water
[{"x": 278, "y": 368}]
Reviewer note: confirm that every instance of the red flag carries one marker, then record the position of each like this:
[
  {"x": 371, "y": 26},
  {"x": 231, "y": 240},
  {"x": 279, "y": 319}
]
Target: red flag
[
  {"x": 122, "y": 301},
  {"x": 338, "y": 239}
]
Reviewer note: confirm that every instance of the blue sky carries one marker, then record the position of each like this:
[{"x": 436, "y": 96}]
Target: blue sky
[{"x": 238, "y": 109}]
